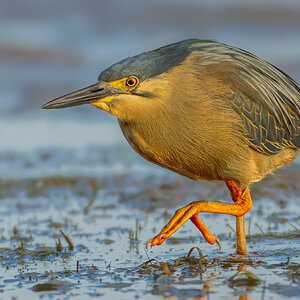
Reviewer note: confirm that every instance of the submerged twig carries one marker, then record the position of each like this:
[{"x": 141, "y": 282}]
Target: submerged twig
[
  {"x": 165, "y": 268},
  {"x": 201, "y": 256},
  {"x": 147, "y": 262}
]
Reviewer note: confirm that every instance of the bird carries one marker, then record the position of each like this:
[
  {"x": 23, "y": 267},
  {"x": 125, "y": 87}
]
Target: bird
[{"x": 205, "y": 110}]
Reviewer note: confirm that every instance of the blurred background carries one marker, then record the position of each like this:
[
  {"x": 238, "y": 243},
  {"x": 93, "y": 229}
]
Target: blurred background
[
  {"x": 49, "y": 48},
  {"x": 72, "y": 169}
]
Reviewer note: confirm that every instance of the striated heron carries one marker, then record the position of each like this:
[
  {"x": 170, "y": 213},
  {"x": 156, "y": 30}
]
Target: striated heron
[{"x": 205, "y": 110}]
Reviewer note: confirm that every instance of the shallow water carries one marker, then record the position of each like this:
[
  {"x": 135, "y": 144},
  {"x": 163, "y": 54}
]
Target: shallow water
[
  {"x": 110, "y": 202},
  {"x": 72, "y": 170}
]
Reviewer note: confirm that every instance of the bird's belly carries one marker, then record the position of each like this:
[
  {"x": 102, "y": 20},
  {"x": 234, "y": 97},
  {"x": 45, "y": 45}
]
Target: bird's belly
[{"x": 166, "y": 156}]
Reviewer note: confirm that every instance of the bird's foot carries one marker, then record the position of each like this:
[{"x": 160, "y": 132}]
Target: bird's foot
[
  {"x": 242, "y": 204},
  {"x": 180, "y": 217}
]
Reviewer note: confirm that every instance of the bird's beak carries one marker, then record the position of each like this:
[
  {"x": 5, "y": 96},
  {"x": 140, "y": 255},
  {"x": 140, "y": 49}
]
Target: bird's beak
[{"x": 88, "y": 95}]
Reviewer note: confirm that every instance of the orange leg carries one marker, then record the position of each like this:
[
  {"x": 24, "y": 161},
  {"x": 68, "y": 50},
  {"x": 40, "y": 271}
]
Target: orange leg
[
  {"x": 241, "y": 245},
  {"x": 242, "y": 204}
]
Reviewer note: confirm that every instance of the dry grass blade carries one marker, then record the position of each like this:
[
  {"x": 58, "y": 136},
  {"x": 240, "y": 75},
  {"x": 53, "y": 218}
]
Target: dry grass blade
[
  {"x": 90, "y": 204},
  {"x": 68, "y": 240},
  {"x": 58, "y": 245},
  {"x": 231, "y": 228},
  {"x": 15, "y": 231},
  {"x": 294, "y": 227},
  {"x": 259, "y": 228}
]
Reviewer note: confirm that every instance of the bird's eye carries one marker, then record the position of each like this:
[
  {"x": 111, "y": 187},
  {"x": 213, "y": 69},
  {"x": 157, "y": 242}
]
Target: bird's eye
[{"x": 132, "y": 81}]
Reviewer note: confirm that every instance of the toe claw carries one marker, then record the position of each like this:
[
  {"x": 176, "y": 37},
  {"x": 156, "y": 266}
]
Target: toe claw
[
  {"x": 156, "y": 241},
  {"x": 149, "y": 243},
  {"x": 218, "y": 242}
]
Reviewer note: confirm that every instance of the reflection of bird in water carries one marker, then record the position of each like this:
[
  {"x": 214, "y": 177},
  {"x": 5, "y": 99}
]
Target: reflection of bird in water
[{"x": 206, "y": 111}]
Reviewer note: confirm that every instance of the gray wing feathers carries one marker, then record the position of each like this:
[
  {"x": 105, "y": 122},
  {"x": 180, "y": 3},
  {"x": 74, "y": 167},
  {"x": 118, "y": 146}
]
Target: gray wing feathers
[{"x": 267, "y": 99}]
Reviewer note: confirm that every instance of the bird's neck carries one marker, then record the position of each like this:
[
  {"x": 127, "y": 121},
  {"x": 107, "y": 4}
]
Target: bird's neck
[{"x": 163, "y": 138}]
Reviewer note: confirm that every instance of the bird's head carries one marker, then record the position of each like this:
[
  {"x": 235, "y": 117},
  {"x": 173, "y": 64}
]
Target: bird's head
[{"x": 131, "y": 85}]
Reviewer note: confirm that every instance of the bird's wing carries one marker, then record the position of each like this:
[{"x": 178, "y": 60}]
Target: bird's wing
[
  {"x": 263, "y": 131},
  {"x": 266, "y": 98}
]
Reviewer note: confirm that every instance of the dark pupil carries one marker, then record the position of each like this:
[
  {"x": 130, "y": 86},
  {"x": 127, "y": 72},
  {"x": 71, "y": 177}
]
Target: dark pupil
[{"x": 131, "y": 82}]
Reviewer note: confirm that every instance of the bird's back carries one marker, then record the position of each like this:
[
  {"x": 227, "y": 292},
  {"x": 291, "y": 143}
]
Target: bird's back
[{"x": 266, "y": 99}]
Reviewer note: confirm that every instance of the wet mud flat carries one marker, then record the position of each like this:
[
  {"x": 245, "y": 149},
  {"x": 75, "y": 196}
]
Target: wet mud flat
[{"x": 74, "y": 225}]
